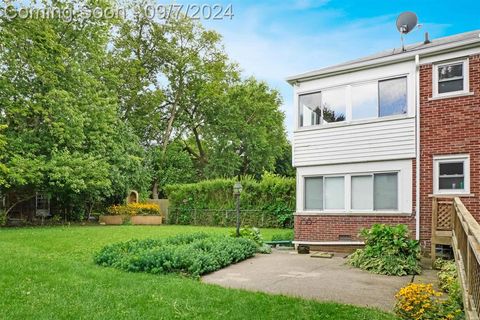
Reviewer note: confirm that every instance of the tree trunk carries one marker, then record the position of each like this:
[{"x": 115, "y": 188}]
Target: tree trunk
[{"x": 155, "y": 189}]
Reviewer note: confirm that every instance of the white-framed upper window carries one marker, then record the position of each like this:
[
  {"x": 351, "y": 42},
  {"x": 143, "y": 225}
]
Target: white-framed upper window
[
  {"x": 450, "y": 78},
  {"x": 367, "y": 100},
  {"x": 359, "y": 192},
  {"x": 451, "y": 174}
]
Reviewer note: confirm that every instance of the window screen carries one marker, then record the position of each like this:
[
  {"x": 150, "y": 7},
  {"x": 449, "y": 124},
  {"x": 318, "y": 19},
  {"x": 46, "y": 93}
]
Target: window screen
[
  {"x": 392, "y": 97},
  {"x": 314, "y": 193},
  {"x": 386, "y": 191}
]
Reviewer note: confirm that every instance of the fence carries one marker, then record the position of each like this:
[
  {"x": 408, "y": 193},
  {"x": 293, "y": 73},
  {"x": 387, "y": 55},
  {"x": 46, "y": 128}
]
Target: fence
[
  {"x": 228, "y": 217},
  {"x": 466, "y": 247}
]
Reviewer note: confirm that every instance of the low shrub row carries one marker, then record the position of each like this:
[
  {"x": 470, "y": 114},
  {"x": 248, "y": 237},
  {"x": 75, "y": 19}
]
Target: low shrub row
[
  {"x": 388, "y": 250},
  {"x": 134, "y": 209},
  {"x": 192, "y": 254},
  {"x": 269, "y": 202},
  {"x": 254, "y": 235}
]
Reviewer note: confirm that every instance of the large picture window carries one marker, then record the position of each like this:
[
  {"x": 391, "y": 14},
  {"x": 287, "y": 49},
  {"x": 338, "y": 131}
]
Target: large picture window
[
  {"x": 334, "y": 193},
  {"x": 364, "y": 101},
  {"x": 368, "y": 192},
  {"x": 322, "y": 107},
  {"x": 392, "y": 97},
  {"x": 367, "y": 100},
  {"x": 310, "y": 106},
  {"x": 314, "y": 193}
]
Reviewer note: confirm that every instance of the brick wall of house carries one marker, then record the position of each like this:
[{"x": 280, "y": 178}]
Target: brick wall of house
[
  {"x": 330, "y": 228},
  {"x": 448, "y": 126}
]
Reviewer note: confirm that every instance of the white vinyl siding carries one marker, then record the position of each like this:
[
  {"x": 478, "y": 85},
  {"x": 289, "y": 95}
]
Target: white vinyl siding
[{"x": 380, "y": 140}]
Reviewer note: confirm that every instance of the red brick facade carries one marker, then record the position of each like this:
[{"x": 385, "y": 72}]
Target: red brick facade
[
  {"x": 333, "y": 228},
  {"x": 448, "y": 126}
]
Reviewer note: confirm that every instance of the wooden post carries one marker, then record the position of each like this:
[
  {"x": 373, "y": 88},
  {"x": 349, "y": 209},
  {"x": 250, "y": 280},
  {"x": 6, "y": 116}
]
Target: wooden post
[{"x": 434, "y": 228}]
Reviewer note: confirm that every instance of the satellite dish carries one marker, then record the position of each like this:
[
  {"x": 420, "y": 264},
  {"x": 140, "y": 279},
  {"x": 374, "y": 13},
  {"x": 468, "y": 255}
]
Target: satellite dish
[{"x": 406, "y": 22}]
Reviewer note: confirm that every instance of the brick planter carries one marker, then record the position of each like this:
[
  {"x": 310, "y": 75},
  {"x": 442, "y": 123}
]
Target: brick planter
[{"x": 146, "y": 220}]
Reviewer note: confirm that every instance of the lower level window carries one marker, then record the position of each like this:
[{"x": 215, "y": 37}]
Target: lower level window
[
  {"x": 378, "y": 191},
  {"x": 334, "y": 193},
  {"x": 368, "y": 192}
]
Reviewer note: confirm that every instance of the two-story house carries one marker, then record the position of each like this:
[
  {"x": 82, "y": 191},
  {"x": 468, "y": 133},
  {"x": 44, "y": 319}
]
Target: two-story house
[{"x": 376, "y": 138}]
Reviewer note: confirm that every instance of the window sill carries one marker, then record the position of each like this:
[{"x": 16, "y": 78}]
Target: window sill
[
  {"x": 352, "y": 123},
  {"x": 354, "y": 214},
  {"x": 451, "y": 195},
  {"x": 456, "y": 95}
]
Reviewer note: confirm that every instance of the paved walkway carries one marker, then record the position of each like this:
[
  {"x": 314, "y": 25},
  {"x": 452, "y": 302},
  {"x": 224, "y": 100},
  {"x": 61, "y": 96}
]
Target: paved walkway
[{"x": 289, "y": 273}]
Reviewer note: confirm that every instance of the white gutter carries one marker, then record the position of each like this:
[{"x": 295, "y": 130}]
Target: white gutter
[
  {"x": 385, "y": 60},
  {"x": 417, "y": 147}
]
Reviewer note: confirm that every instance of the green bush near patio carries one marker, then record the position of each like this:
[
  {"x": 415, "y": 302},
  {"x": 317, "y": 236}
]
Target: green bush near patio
[
  {"x": 388, "y": 250},
  {"x": 191, "y": 254}
]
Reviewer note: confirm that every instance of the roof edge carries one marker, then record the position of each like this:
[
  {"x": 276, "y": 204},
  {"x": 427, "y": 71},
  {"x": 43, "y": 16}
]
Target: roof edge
[{"x": 376, "y": 62}]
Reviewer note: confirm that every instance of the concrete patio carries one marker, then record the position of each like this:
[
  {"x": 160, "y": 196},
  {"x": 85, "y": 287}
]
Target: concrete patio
[{"x": 289, "y": 273}]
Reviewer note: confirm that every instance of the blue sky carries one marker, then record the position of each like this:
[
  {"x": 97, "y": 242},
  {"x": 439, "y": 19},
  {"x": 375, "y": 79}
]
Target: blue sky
[{"x": 274, "y": 39}]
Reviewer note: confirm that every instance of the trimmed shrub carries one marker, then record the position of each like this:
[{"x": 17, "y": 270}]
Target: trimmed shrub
[
  {"x": 191, "y": 254},
  {"x": 254, "y": 235},
  {"x": 269, "y": 202},
  {"x": 388, "y": 250},
  {"x": 135, "y": 209}
]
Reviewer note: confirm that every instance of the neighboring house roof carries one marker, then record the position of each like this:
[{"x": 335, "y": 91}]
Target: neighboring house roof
[{"x": 467, "y": 39}]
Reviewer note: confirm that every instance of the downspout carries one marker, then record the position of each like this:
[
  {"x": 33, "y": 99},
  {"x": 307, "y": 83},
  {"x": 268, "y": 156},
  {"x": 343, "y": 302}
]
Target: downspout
[{"x": 417, "y": 147}]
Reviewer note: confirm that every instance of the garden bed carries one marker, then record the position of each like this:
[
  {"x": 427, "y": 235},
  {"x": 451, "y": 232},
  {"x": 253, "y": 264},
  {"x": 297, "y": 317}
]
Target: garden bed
[{"x": 193, "y": 254}]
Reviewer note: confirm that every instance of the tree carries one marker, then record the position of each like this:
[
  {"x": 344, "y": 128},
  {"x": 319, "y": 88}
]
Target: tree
[
  {"x": 64, "y": 134},
  {"x": 164, "y": 67},
  {"x": 243, "y": 134},
  {"x": 283, "y": 162},
  {"x": 3, "y": 168}
]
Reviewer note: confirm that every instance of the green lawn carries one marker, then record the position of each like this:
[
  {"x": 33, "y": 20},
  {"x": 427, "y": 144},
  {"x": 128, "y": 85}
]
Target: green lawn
[{"x": 48, "y": 273}]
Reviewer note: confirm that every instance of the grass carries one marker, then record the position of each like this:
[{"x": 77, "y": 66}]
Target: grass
[{"x": 48, "y": 273}]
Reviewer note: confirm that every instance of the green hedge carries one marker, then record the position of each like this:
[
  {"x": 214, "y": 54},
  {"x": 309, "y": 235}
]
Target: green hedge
[
  {"x": 269, "y": 202},
  {"x": 192, "y": 254}
]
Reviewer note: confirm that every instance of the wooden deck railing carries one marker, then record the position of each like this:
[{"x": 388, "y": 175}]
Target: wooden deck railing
[{"x": 466, "y": 248}]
